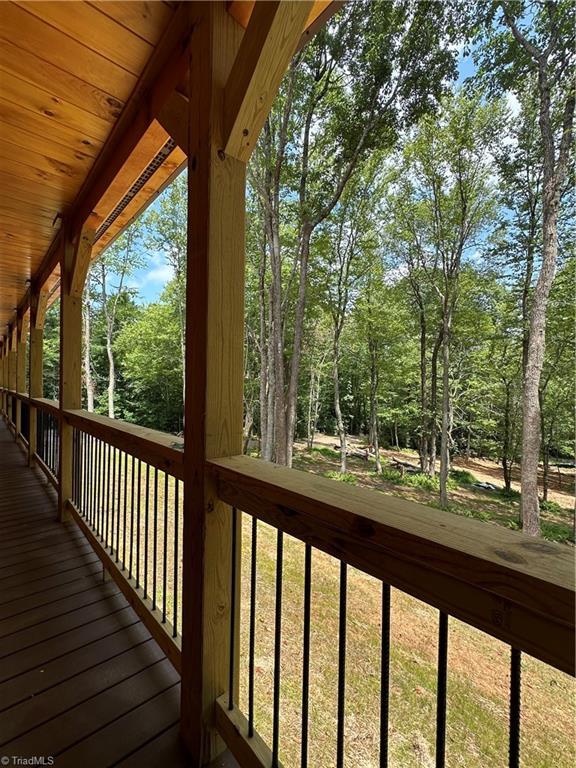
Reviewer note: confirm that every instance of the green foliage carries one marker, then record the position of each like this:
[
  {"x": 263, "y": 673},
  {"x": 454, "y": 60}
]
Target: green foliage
[
  {"x": 463, "y": 477},
  {"x": 343, "y": 477},
  {"x": 329, "y": 453}
]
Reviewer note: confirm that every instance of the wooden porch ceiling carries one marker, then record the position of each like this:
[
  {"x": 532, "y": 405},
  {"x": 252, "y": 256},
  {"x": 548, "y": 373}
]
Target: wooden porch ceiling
[{"x": 68, "y": 72}]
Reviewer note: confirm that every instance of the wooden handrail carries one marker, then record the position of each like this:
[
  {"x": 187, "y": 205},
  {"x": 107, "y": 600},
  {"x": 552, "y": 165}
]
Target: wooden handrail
[
  {"x": 514, "y": 587},
  {"x": 45, "y": 404},
  {"x": 159, "y": 449}
]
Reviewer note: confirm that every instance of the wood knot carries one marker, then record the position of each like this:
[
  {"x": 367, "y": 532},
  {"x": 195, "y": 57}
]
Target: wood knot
[{"x": 510, "y": 557}]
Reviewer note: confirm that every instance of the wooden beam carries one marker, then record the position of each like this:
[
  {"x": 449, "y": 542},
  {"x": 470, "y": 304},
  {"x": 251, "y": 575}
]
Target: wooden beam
[
  {"x": 173, "y": 117},
  {"x": 38, "y": 304},
  {"x": 38, "y": 307},
  {"x": 267, "y": 47},
  {"x": 70, "y": 370},
  {"x": 214, "y": 376},
  {"x": 82, "y": 257},
  {"x": 500, "y": 581}
]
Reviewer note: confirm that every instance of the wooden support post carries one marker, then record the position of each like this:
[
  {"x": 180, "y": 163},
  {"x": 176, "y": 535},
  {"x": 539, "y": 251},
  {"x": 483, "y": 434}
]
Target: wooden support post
[
  {"x": 214, "y": 376},
  {"x": 73, "y": 268},
  {"x": 21, "y": 333},
  {"x": 38, "y": 303},
  {"x": 3, "y": 374}
]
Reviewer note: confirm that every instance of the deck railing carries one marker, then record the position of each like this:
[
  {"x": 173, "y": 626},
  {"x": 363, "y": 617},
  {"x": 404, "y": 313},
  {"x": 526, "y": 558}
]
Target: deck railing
[
  {"x": 127, "y": 498},
  {"x": 511, "y": 587}
]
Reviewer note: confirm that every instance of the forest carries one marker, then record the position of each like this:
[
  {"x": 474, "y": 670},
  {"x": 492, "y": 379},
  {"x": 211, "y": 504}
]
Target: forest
[{"x": 409, "y": 255}]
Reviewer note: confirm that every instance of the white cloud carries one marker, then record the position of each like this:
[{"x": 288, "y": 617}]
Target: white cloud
[{"x": 159, "y": 275}]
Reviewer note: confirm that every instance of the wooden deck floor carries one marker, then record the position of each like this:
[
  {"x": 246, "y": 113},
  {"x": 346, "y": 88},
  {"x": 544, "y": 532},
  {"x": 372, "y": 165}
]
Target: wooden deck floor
[{"x": 81, "y": 679}]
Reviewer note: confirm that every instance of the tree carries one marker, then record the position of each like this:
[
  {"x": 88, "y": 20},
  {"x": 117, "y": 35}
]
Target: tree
[
  {"x": 149, "y": 354},
  {"x": 446, "y": 178},
  {"x": 165, "y": 226},
  {"x": 372, "y": 72},
  {"x": 349, "y": 238},
  {"x": 537, "y": 39},
  {"x": 109, "y": 274}
]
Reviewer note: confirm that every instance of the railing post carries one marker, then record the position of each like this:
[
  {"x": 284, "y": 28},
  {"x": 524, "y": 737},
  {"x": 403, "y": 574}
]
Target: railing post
[
  {"x": 74, "y": 262},
  {"x": 38, "y": 303},
  {"x": 214, "y": 376},
  {"x": 20, "y": 368},
  {"x": 12, "y": 361},
  {"x": 3, "y": 373}
]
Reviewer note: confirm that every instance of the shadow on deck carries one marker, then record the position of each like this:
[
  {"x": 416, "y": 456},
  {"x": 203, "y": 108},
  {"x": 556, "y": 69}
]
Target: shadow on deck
[{"x": 81, "y": 678}]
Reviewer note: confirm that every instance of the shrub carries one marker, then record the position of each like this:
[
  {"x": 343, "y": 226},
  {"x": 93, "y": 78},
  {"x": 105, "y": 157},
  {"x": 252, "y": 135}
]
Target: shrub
[
  {"x": 553, "y": 508},
  {"x": 343, "y": 477},
  {"x": 324, "y": 450},
  {"x": 557, "y": 532},
  {"x": 463, "y": 477},
  {"x": 390, "y": 475},
  {"x": 511, "y": 494}
]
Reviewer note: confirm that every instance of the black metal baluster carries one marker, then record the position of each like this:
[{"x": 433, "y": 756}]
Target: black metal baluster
[
  {"x": 165, "y": 557},
  {"x": 385, "y": 676},
  {"x": 102, "y": 475},
  {"x": 252, "y": 630},
  {"x": 146, "y": 511},
  {"x": 125, "y": 510},
  {"x": 138, "y": 524},
  {"x": 113, "y": 501},
  {"x": 515, "y": 706},
  {"x": 132, "y": 517},
  {"x": 441, "y": 690},
  {"x": 341, "y": 717},
  {"x": 277, "y": 650},
  {"x": 90, "y": 480},
  {"x": 155, "y": 546},
  {"x": 306, "y": 653},
  {"x": 100, "y": 491},
  {"x": 176, "y": 502},
  {"x": 119, "y": 506},
  {"x": 232, "y": 666},
  {"x": 84, "y": 474},
  {"x": 108, "y": 532}
]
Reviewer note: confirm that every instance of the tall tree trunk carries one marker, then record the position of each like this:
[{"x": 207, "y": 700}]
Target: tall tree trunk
[
  {"x": 111, "y": 372},
  {"x": 446, "y": 407},
  {"x": 88, "y": 378},
  {"x": 337, "y": 407},
  {"x": 554, "y": 174},
  {"x": 507, "y": 440},
  {"x": 374, "y": 436},
  {"x": 280, "y": 437},
  {"x": 292, "y": 394},
  {"x": 433, "y": 413},
  {"x": 424, "y": 418}
]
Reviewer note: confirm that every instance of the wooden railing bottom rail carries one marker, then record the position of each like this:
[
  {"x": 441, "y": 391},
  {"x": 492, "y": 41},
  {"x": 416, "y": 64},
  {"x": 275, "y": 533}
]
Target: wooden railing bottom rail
[{"x": 249, "y": 751}]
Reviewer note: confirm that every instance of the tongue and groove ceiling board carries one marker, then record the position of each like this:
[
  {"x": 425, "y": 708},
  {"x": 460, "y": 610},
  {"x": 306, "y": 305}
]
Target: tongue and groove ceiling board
[{"x": 67, "y": 70}]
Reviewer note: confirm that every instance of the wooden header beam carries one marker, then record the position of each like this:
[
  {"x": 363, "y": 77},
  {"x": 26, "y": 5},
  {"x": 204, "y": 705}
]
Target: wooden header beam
[{"x": 267, "y": 47}]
